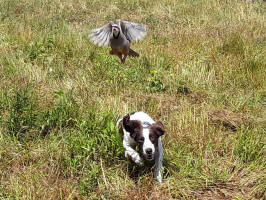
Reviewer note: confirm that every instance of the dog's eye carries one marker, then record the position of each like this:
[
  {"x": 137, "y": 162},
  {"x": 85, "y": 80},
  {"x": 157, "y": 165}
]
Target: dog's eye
[
  {"x": 152, "y": 138},
  {"x": 141, "y": 140}
]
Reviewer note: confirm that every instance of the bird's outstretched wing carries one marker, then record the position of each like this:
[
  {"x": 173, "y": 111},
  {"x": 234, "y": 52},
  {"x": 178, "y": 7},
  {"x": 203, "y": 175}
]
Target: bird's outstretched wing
[
  {"x": 101, "y": 36},
  {"x": 132, "y": 31}
]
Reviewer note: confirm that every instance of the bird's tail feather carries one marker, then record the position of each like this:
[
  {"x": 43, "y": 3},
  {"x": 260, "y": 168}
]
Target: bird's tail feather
[{"x": 133, "y": 53}]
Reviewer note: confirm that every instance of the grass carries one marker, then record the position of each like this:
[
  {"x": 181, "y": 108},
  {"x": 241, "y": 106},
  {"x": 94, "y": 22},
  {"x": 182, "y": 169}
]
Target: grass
[{"x": 201, "y": 71}]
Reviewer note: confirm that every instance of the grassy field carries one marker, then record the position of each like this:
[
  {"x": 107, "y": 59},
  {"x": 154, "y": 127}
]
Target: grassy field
[{"x": 201, "y": 71}]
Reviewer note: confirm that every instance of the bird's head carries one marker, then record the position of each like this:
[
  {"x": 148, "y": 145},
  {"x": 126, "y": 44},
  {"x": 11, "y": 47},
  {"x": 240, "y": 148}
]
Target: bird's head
[{"x": 115, "y": 30}]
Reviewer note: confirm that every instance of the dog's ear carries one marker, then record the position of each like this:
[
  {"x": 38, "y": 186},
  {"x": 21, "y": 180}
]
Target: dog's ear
[
  {"x": 158, "y": 128},
  {"x": 126, "y": 120},
  {"x": 128, "y": 126},
  {"x": 131, "y": 126}
]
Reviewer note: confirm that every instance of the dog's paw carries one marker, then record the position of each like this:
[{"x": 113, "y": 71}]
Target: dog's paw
[
  {"x": 134, "y": 156},
  {"x": 158, "y": 177},
  {"x": 139, "y": 161}
]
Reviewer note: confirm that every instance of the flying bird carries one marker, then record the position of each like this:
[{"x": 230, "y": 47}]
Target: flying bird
[{"x": 119, "y": 36}]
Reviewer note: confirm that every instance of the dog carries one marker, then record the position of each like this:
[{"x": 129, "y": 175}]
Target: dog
[{"x": 139, "y": 129}]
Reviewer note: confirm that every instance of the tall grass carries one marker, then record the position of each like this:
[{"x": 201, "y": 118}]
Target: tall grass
[{"x": 201, "y": 71}]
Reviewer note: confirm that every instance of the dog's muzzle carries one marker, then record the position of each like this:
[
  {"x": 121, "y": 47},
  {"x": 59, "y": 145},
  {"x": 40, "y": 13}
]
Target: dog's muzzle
[{"x": 148, "y": 154}]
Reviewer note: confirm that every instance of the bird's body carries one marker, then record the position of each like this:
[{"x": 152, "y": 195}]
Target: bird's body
[
  {"x": 119, "y": 36},
  {"x": 119, "y": 42}
]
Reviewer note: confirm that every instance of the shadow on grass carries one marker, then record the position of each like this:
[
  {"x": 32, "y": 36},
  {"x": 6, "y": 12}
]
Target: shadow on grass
[{"x": 136, "y": 172}]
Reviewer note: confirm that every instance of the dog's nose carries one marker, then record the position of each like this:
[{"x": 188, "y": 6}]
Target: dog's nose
[{"x": 149, "y": 151}]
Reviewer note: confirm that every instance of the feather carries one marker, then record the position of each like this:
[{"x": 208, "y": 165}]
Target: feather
[
  {"x": 101, "y": 36},
  {"x": 132, "y": 31}
]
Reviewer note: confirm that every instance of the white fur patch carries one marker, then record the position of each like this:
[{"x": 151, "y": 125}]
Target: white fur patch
[
  {"x": 147, "y": 144},
  {"x": 142, "y": 116}
]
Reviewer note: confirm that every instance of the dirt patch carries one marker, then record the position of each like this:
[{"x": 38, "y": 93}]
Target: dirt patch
[
  {"x": 197, "y": 97},
  {"x": 148, "y": 191},
  {"x": 221, "y": 191},
  {"x": 227, "y": 191},
  {"x": 229, "y": 120}
]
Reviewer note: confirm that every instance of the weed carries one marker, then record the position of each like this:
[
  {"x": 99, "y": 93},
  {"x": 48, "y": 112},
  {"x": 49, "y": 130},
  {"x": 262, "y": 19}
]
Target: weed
[
  {"x": 23, "y": 113},
  {"x": 40, "y": 49},
  {"x": 62, "y": 115},
  {"x": 182, "y": 87},
  {"x": 250, "y": 147},
  {"x": 154, "y": 83}
]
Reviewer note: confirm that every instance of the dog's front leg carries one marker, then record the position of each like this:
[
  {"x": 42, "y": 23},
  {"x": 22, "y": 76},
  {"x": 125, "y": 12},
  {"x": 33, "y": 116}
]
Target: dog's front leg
[
  {"x": 158, "y": 162},
  {"x": 131, "y": 153}
]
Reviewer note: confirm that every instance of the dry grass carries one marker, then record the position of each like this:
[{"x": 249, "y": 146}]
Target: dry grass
[{"x": 201, "y": 72}]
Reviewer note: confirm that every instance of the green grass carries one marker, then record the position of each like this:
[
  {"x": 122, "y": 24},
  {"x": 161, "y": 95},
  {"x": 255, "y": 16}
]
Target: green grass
[{"x": 201, "y": 71}]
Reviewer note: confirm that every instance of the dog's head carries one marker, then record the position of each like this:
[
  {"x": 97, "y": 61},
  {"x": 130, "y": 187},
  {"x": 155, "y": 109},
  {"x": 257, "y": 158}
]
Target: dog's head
[{"x": 145, "y": 137}]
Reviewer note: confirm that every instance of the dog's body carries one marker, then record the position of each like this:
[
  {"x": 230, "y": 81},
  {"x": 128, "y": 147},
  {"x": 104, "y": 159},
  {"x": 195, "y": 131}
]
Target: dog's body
[{"x": 139, "y": 129}]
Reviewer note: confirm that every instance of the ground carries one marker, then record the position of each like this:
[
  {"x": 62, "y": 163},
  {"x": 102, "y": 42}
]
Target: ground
[{"x": 201, "y": 71}]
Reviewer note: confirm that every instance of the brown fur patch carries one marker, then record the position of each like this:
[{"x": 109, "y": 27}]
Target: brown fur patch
[
  {"x": 156, "y": 130},
  {"x": 134, "y": 127}
]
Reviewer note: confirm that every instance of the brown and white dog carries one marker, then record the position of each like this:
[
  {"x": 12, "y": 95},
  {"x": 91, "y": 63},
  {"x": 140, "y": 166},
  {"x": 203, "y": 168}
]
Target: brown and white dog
[{"x": 139, "y": 129}]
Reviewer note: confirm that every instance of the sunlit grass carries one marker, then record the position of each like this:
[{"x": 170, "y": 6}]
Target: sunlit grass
[{"x": 201, "y": 71}]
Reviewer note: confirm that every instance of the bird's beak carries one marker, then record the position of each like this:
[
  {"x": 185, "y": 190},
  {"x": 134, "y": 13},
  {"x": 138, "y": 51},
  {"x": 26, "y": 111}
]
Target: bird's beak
[{"x": 114, "y": 30}]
